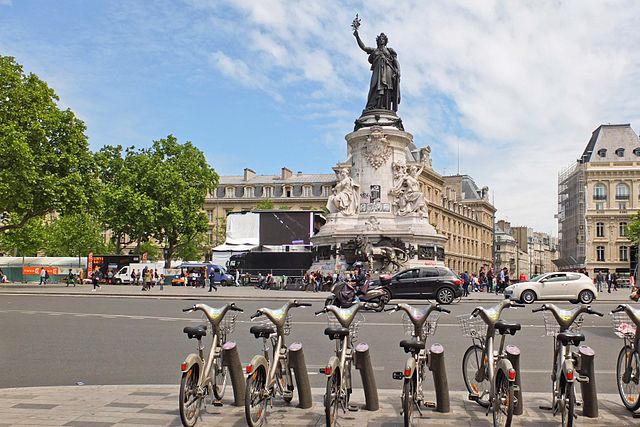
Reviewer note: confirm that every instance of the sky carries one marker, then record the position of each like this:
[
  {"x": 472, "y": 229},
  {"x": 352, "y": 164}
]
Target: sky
[{"x": 507, "y": 92}]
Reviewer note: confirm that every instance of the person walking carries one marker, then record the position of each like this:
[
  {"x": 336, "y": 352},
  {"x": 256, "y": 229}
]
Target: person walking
[
  {"x": 95, "y": 277},
  {"x": 133, "y": 277},
  {"x": 599, "y": 281},
  {"x": 465, "y": 284},
  {"x": 161, "y": 282},
  {"x": 146, "y": 284},
  {"x": 501, "y": 280},
  {"x": 490, "y": 279},
  {"x": 212, "y": 283},
  {"x": 71, "y": 278},
  {"x": 43, "y": 276},
  {"x": 614, "y": 281},
  {"x": 237, "y": 280}
]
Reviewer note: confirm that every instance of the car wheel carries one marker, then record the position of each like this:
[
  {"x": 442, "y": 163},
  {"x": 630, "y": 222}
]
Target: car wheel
[
  {"x": 117, "y": 282},
  {"x": 528, "y": 297},
  {"x": 445, "y": 295},
  {"x": 223, "y": 283},
  {"x": 586, "y": 297}
]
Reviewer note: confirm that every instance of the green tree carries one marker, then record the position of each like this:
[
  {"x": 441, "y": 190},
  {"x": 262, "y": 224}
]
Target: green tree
[
  {"x": 75, "y": 234},
  {"x": 264, "y": 205},
  {"x": 26, "y": 240},
  {"x": 633, "y": 228},
  {"x": 45, "y": 163},
  {"x": 153, "y": 251}
]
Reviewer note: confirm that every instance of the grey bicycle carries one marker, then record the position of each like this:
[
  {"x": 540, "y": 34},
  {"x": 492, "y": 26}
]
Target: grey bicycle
[{"x": 625, "y": 317}]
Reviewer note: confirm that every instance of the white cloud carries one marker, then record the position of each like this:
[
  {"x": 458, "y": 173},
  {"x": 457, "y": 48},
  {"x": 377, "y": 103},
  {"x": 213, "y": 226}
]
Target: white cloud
[{"x": 6, "y": 2}]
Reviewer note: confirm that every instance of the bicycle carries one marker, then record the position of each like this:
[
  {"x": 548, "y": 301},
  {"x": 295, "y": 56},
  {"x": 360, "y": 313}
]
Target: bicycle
[
  {"x": 488, "y": 375},
  {"x": 204, "y": 377},
  {"x": 344, "y": 330},
  {"x": 566, "y": 332},
  {"x": 628, "y": 366},
  {"x": 418, "y": 325},
  {"x": 267, "y": 378}
]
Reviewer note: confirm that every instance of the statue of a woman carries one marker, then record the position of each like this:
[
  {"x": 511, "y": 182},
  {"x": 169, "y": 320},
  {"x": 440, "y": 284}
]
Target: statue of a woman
[
  {"x": 384, "y": 90},
  {"x": 346, "y": 196}
]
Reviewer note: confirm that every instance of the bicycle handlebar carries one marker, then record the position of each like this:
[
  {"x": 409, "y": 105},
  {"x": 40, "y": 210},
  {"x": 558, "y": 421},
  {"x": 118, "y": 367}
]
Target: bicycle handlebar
[
  {"x": 318, "y": 313},
  {"x": 516, "y": 305},
  {"x": 303, "y": 304},
  {"x": 597, "y": 313},
  {"x": 233, "y": 307},
  {"x": 256, "y": 314},
  {"x": 444, "y": 310},
  {"x": 187, "y": 310},
  {"x": 618, "y": 309}
]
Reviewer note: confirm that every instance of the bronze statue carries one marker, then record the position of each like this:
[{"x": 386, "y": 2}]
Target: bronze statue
[{"x": 384, "y": 90}]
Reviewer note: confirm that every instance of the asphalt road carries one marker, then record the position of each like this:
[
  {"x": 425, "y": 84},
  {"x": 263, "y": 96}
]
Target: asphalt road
[{"x": 52, "y": 341}]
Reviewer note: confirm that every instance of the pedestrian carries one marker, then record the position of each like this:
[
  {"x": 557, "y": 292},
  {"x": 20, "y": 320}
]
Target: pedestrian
[
  {"x": 153, "y": 277},
  {"x": 609, "y": 282},
  {"x": 133, "y": 277},
  {"x": 43, "y": 276},
  {"x": 110, "y": 277},
  {"x": 501, "y": 280},
  {"x": 475, "y": 282},
  {"x": 260, "y": 280},
  {"x": 146, "y": 284},
  {"x": 490, "y": 279},
  {"x": 95, "y": 277},
  {"x": 71, "y": 278},
  {"x": 212, "y": 283},
  {"x": 614, "y": 281},
  {"x": 161, "y": 281},
  {"x": 237, "y": 280},
  {"x": 465, "y": 284},
  {"x": 507, "y": 280},
  {"x": 599, "y": 281}
]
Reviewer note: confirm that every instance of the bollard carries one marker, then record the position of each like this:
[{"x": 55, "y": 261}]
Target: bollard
[
  {"x": 363, "y": 364},
  {"x": 513, "y": 355},
  {"x": 436, "y": 365},
  {"x": 297, "y": 363},
  {"x": 588, "y": 389},
  {"x": 231, "y": 360}
]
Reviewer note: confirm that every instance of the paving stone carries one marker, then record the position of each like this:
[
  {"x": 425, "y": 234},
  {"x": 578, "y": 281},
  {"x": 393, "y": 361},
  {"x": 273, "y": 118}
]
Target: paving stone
[
  {"x": 144, "y": 421},
  {"x": 148, "y": 393},
  {"x": 88, "y": 424},
  {"x": 34, "y": 406},
  {"x": 127, "y": 405}
]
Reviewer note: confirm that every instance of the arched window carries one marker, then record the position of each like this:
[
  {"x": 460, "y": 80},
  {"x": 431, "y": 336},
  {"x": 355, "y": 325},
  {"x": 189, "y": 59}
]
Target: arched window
[
  {"x": 599, "y": 192},
  {"x": 602, "y": 152},
  {"x": 620, "y": 152},
  {"x": 636, "y": 151},
  {"x": 622, "y": 192}
]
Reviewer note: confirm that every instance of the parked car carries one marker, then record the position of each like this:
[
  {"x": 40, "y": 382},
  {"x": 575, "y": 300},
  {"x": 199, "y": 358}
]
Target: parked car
[
  {"x": 440, "y": 283},
  {"x": 570, "y": 286}
]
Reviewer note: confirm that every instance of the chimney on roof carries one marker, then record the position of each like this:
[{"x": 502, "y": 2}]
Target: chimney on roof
[
  {"x": 299, "y": 173},
  {"x": 248, "y": 174},
  {"x": 286, "y": 173}
]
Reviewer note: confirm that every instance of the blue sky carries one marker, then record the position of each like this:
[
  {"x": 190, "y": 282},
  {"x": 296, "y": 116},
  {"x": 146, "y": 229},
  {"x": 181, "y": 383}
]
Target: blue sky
[{"x": 517, "y": 86}]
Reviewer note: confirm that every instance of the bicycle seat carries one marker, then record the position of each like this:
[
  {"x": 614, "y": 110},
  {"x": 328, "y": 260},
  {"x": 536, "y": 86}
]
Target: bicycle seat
[
  {"x": 507, "y": 328},
  {"x": 262, "y": 331},
  {"x": 336, "y": 333},
  {"x": 195, "y": 331},
  {"x": 411, "y": 345},
  {"x": 569, "y": 337}
]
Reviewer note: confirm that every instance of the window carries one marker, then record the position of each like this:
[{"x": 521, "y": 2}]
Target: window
[
  {"x": 622, "y": 206},
  {"x": 497, "y": 247},
  {"x": 248, "y": 192},
  {"x": 600, "y": 253},
  {"x": 267, "y": 192},
  {"x": 430, "y": 272},
  {"x": 636, "y": 151},
  {"x": 624, "y": 253},
  {"x": 599, "y": 206},
  {"x": 599, "y": 229},
  {"x": 622, "y": 192},
  {"x": 622, "y": 229},
  {"x": 599, "y": 192},
  {"x": 229, "y": 192},
  {"x": 286, "y": 191},
  {"x": 307, "y": 191},
  {"x": 210, "y": 215},
  {"x": 602, "y": 152},
  {"x": 556, "y": 278},
  {"x": 411, "y": 274},
  {"x": 620, "y": 152},
  {"x": 326, "y": 190}
]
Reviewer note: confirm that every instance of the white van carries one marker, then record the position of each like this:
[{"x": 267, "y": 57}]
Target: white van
[{"x": 124, "y": 274}]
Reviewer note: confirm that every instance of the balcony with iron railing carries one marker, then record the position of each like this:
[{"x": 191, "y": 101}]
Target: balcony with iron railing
[
  {"x": 622, "y": 197},
  {"x": 599, "y": 197}
]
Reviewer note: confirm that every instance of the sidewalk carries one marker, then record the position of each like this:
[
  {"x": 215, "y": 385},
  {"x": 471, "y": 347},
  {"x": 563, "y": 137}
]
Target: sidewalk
[
  {"x": 151, "y": 405},
  {"x": 227, "y": 292}
]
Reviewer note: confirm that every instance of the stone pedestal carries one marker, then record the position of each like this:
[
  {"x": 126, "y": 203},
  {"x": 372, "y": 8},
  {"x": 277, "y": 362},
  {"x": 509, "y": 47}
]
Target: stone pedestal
[{"x": 383, "y": 164}]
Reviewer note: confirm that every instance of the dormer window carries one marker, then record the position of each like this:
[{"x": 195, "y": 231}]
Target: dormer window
[
  {"x": 602, "y": 152},
  {"x": 247, "y": 192},
  {"x": 307, "y": 191},
  {"x": 620, "y": 152},
  {"x": 636, "y": 151},
  {"x": 229, "y": 192}
]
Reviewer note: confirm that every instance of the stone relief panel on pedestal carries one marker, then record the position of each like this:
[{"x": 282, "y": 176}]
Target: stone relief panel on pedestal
[
  {"x": 377, "y": 150},
  {"x": 346, "y": 195},
  {"x": 407, "y": 195}
]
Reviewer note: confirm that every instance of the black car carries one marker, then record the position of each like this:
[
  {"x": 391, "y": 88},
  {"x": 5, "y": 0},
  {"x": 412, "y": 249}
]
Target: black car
[{"x": 424, "y": 283}]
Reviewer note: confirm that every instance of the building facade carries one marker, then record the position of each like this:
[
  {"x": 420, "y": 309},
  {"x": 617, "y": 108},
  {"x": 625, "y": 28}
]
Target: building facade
[
  {"x": 596, "y": 198},
  {"x": 457, "y": 207},
  {"x": 538, "y": 250}
]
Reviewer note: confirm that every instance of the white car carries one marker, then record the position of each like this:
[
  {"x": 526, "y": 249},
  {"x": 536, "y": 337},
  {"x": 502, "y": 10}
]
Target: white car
[{"x": 574, "y": 287}]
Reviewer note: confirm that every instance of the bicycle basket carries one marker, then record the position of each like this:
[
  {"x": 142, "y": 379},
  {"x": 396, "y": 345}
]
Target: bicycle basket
[
  {"x": 623, "y": 327},
  {"x": 552, "y": 328},
  {"x": 287, "y": 324},
  {"x": 473, "y": 327},
  {"x": 428, "y": 329},
  {"x": 354, "y": 327},
  {"x": 228, "y": 324}
]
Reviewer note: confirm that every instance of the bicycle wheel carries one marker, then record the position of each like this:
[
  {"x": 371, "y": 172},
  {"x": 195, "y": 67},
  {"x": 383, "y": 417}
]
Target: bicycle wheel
[
  {"x": 255, "y": 400},
  {"x": 568, "y": 404},
  {"x": 332, "y": 399},
  {"x": 219, "y": 379},
  {"x": 471, "y": 362},
  {"x": 502, "y": 402},
  {"x": 629, "y": 380},
  {"x": 190, "y": 402},
  {"x": 407, "y": 400},
  {"x": 283, "y": 381}
]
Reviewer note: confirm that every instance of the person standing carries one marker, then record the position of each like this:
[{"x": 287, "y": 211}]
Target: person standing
[
  {"x": 501, "y": 280},
  {"x": 465, "y": 284},
  {"x": 43, "y": 276},
  {"x": 490, "y": 279},
  {"x": 599, "y": 281},
  {"x": 161, "y": 282},
  {"x": 133, "y": 277},
  {"x": 237, "y": 279},
  {"x": 146, "y": 280}
]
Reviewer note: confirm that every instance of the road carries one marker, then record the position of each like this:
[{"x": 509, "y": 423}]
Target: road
[{"x": 50, "y": 341}]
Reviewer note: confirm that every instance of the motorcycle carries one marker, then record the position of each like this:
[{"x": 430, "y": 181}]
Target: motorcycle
[{"x": 376, "y": 298}]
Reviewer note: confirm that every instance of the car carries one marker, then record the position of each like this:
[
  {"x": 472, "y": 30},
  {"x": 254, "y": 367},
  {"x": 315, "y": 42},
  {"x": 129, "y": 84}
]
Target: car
[
  {"x": 569, "y": 286},
  {"x": 439, "y": 283}
]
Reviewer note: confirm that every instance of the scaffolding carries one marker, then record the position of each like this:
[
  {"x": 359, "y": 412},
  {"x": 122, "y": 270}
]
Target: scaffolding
[{"x": 571, "y": 217}]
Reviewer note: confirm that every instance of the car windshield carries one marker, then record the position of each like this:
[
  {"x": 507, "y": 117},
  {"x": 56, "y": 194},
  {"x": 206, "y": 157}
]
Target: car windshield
[{"x": 536, "y": 278}]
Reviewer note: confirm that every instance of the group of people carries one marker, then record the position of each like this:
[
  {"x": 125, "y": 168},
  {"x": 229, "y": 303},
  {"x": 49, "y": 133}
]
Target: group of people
[
  {"x": 148, "y": 278},
  {"x": 610, "y": 279},
  {"x": 316, "y": 282},
  {"x": 486, "y": 281}
]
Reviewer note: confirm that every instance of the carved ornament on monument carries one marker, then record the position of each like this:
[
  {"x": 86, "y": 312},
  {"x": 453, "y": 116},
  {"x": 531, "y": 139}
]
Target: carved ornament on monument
[
  {"x": 377, "y": 150},
  {"x": 406, "y": 192},
  {"x": 372, "y": 224},
  {"x": 345, "y": 197}
]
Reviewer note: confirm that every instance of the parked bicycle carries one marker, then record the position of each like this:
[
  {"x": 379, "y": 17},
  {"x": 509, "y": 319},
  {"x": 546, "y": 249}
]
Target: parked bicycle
[
  {"x": 566, "y": 332},
  {"x": 488, "y": 375},
  {"x": 419, "y": 326},
  {"x": 626, "y": 323},
  {"x": 205, "y": 377},
  {"x": 268, "y": 378},
  {"x": 343, "y": 328}
]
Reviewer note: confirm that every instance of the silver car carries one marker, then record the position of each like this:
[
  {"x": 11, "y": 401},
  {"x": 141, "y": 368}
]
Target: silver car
[{"x": 574, "y": 287}]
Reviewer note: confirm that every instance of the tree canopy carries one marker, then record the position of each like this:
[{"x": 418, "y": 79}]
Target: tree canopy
[{"x": 45, "y": 162}]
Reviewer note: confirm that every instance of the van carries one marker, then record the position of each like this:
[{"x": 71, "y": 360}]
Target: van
[{"x": 123, "y": 276}]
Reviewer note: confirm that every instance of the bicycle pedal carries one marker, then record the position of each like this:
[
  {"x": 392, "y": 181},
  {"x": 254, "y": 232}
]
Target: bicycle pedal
[
  {"x": 353, "y": 408},
  {"x": 582, "y": 379},
  {"x": 429, "y": 404},
  {"x": 545, "y": 407},
  {"x": 473, "y": 397},
  {"x": 578, "y": 402},
  {"x": 217, "y": 403},
  {"x": 287, "y": 393}
]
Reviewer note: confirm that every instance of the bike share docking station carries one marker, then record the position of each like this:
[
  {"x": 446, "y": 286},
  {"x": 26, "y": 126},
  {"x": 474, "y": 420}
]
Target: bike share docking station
[
  {"x": 297, "y": 363},
  {"x": 231, "y": 359},
  {"x": 363, "y": 364},
  {"x": 586, "y": 370}
]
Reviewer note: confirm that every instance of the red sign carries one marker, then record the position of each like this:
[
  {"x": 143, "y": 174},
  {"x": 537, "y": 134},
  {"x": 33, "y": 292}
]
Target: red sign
[
  {"x": 89, "y": 263},
  {"x": 37, "y": 270}
]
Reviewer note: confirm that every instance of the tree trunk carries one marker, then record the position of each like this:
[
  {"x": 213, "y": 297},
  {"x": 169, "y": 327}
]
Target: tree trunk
[{"x": 168, "y": 255}]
